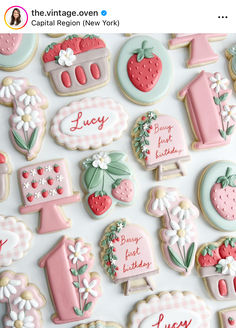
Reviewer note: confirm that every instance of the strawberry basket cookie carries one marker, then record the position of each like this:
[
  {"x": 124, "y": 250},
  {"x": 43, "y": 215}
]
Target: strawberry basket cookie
[
  {"x": 77, "y": 65},
  {"x": 216, "y": 195},
  {"x": 216, "y": 264}
]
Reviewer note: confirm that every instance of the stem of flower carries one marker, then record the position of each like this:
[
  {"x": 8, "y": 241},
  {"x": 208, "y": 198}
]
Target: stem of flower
[
  {"x": 223, "y": 128},
  {"x": 9, "y": 304},
  {"x": 84, "y": 304},
  {"x": 26, "y": 137},
  {"x": 80, "y": 305}
]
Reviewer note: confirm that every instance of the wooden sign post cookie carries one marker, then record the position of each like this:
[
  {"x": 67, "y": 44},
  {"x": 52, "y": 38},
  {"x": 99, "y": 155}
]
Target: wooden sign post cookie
[
  {"x": 127, "y": 256},
  {"x": 158, "y": 143}
]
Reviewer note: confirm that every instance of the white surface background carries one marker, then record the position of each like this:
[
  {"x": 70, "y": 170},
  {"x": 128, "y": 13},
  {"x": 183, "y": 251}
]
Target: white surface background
[{"x": 113, "y": 305}]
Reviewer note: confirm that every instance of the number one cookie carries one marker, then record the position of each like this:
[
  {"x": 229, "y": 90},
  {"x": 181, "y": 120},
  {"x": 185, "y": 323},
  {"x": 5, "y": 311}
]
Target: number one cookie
[{"x": 178, "y": 235}]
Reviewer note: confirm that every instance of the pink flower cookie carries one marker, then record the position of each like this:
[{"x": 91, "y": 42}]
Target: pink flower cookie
[
  {"x": 5, "y": 171},
  {"x": 27, "y": 122},
  {"x": 77, "y": 65},
  {"x": 127, "y": 256},
  {"x": 227, "y": 318},
  {"x": 178, "y": 235},
  {"x": 158, "y": 143},
  {"x": 107, "y": 181},
  {"x": 23, "y": 301},
  {"x": 170, "y": 309},
  {"x": 216, "y": 265},
  {"x": 207, "y": 96},
  {"x": 89, "y": 123},
  {"x": 45, "y": 187},
  {"x": 75, "y": 290},
  {"x": 15, "y": 240},
  {"x": 200, "y": 50}
]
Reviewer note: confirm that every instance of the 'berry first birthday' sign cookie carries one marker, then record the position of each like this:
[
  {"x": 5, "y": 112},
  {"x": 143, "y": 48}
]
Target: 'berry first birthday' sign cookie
[
  {"x": 200, "y": 50},
  {"x": 217, "y": 194},
  {"x": 158, "y": 143},
  {"x": 144, "y": 70},
  {"x": 178, "y": 235},
  {"x": 173, "y": 310},
  {"x": 107, "y": 181},
  {"x": 127, "y": 256},
  {"x": 207, "y": 96},
  {"x": 27, "y": 122},
  {"x": 45, "y": 187},
  {"x": 77, "y": 65},
  {"x": 227, "y": 318},
  {"x": 75, "y": 290},
  {"x": 216, "y": 264},
  {"x": 89, "y": 123}
]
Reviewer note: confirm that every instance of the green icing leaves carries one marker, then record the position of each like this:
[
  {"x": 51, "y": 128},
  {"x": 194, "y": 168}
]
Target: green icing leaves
[
  {"x": 233, "y": 64},
  {"x": 90, "y": 36},
  {"x": 19, "y": 141},
  {"x": 175, "y": 258},
  {"x": 220, "y": 99},
  {"x": 50, "y": 46},
  {"x": 228, "y": 179},
  {"x": 93, "y": 177},
  {"x": 230, "y": 241},
  {"x": 118, "y": 168},
  {"x": 190, "y": 253},
  {"x": 78, "y": 311},
  {"x": 33, "y": 138},
  {"x": 180, "y": 261},
  {"x": 22, "y": 143},
  {"x": 115, "y": 157},
  {"x": 72, "y": 36},
  {"x": 219, "y": 268},
  {"x": 143, "y": 52},
  {"x": 208, "y": 250}
]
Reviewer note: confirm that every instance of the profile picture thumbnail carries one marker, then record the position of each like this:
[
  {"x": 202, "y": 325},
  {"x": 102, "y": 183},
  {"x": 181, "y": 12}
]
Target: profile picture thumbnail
[{"x": 16, "y": 17}]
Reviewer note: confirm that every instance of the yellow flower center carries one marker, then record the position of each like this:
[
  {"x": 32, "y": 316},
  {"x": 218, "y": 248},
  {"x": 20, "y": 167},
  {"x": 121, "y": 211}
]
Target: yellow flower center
[
  {"x": 181, "y": 233},
  {"x": 26, "y": 296},
  {"x": 18, "y": 324},
  {"x": 160, "y": 193},
  {"x": 229, "y": 265},
  {"x": 7, "y": 81},
  {"x": 4, "y": 281},
  {"x": 230, "y": 113},
  {"x": 31, "y": 92},
  {"x": 87, "y": 290},
  {"x": 76, "y": 254},
  {"x": 184, "y": 205},
  {"x": 26, "y": 118}
]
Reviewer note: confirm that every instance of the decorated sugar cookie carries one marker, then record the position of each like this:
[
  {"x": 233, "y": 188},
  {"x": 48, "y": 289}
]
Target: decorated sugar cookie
[
  {"x": 178, "y": 234},
  {"x": 158, "y": 143},
  {"x": 27, "y": 122},
  {"x": 89, "y": 123},
  {"x": 75, "y": 290},
  {"x": 17, "y": 50},
  {"x": 216, "y": 190},
  {"x": 5, "y": 171},
  {"x": 207, "y": 96},
  {"x": 77, "y": 64},
  {"x": 144, "y": 70},
  {"x": 216, "y": 264},
  {"x": 107, "y": 181},
  {"x": 45, "y": 187},
  {"x": 230, "y": 54},
  {"x": 227, "y": 318},
  {"x": 127, "y": 256},
  {"x": 55, "y": 35},
  {"x": 200, "y": 50},
  {"x": 23, "y": 301},
  {"x": 170, "y": 309},
  {"x": 100, "y": 324},
  {"x": 15, "y": 239}
]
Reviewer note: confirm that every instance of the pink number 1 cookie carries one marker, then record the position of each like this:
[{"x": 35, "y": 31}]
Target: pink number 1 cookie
[
  {"x": 44, "y": 188},
  {"x": 27, "y": 122}
]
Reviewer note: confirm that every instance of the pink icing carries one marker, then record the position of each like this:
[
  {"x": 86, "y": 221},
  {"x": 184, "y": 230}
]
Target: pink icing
[
  {"x": 9, "y": 43},
  {"x": 44, "y": 187},
  {"x": 198, "y": 96},
  {"x": 201, "y": 52},
  {"x": 224, "y": 201},
  {"x": 166, "y": 141},
  {"x": 64, "y": 294},
  {"x": 22, "y": 287},
  {"x": 227, "y": 316}
]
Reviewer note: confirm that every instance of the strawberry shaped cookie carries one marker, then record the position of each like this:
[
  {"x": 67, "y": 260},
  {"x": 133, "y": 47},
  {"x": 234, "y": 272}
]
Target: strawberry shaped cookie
[
  {"x": 77, "y": 64},
  {"x": 107, "y": 181},
  {"x": 144, "y": 70},
  {"x": 17, "y": 50},
  {"x": 216, "y": 264},
  {"x": 217, "y": 195}
]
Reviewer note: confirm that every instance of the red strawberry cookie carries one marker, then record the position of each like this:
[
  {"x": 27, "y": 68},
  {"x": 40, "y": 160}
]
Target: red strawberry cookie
[
  {"x": 216, "y": 264},
  {"x": 144, "y": 70},
  {"x": 217, "y": 195},
  {"x": 77, "y": 64},
  {"x": 107, "y": 181}
]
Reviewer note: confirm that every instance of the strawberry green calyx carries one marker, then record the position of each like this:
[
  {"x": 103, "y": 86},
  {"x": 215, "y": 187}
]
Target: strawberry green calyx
[
  {"x": 90, "y": 36},
  {"x": 208, "y": 250},
  {"x": 228, "y": 179},
  {"x": 230, "y": 241},
  {"x": 72, "y": 36},
  {"x": 50, "y": 46},
  {"x": 100, "y": 193},
  {"x": 143, "y": 52},
  {"x": 116, "y": 183},
  {"x": 219, "y": 268}
]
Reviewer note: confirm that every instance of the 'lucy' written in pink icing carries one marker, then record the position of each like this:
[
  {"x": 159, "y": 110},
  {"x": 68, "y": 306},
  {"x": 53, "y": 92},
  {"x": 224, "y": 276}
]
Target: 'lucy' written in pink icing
[
  {"x": 80, "y": 124},
  {"x": 184, "y": 324},
  {"x": 2, "y": 243}
]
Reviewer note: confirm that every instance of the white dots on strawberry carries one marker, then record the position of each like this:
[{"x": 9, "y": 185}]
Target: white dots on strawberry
[
  {"x": 223, "y": 195},
  {"x": 72, "y": 42},
  {"x": 51, "y": 52},
  {"x": 44, "y": 193},
  {"x": 228, "y": 248},
  {"x": 9, "y": 43},
  {"x": 91, "y": 41},
  {"x": 144, "y": 68},
  {"x": 99, "y": 203},
  {"x": 123, "y": 190},
  {"x": 30, "y": 197},
  {"x": 209, "y": 256}
]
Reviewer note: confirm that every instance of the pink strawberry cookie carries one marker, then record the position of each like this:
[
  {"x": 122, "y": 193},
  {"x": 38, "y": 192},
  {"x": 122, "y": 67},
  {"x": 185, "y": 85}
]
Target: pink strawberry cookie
[
  {"x": 217, "y": 195},
  {"x": 9, "y": 43},
  {"x": 107, "y": 181}
]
